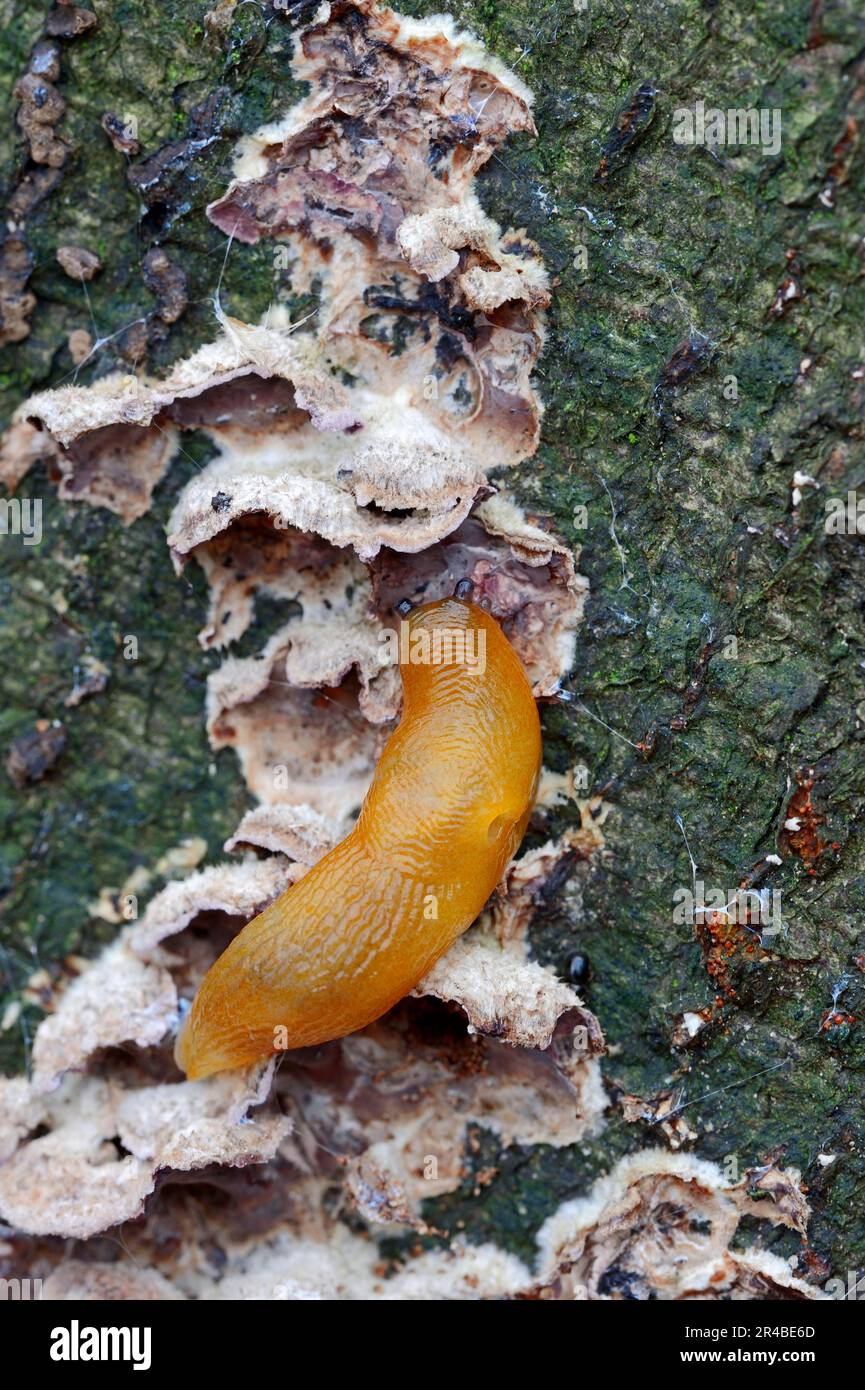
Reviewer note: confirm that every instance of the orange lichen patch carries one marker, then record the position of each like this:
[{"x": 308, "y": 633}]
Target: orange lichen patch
[
  {"x": 721, "y": 941},
  {"x": 688, "y": 1026},
  {"x": 727, "y": 934},
  {"x": 836, "y": 1018},
  {"x": 800, "y": 832}
]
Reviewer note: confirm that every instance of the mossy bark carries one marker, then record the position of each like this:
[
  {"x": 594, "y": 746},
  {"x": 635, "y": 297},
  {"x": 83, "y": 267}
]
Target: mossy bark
[{"x": 684, "y": 460}]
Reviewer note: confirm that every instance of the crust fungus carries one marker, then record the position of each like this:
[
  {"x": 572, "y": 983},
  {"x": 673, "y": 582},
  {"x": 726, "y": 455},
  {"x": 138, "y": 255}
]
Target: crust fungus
[{"x": 660, "y": 1226}]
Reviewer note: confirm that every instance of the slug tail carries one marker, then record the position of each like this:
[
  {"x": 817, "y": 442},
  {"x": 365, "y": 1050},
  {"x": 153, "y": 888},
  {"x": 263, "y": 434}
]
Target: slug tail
[
  {"x": 215, "y": 1038},
  {"x": 184, "y": 1056},
  {"x": 197, "y": 1061}
]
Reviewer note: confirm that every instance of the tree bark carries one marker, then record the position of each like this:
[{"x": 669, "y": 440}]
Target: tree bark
[{"x": 703, "y": 379}]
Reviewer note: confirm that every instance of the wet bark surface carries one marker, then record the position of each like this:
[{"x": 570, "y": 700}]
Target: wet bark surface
[{"x": 704, "y": 379}]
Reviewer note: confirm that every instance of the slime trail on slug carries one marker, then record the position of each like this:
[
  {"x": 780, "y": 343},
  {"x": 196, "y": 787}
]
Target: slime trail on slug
[{"x": 447, "y": 808}]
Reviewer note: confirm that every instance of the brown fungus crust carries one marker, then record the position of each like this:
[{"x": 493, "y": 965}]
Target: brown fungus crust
[
  {"x": 427, "y": 309},
  {"x": 660, "y": 1226},
  {"x": 41, "y": 110}
]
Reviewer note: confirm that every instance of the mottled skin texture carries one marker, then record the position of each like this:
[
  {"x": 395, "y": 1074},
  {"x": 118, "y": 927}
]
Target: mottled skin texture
[{"x": 447, "y": 808}]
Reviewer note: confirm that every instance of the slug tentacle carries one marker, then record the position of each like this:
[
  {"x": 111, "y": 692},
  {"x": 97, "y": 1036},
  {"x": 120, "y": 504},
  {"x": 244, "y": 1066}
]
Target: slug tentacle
[{"x": 446, "y": 810}]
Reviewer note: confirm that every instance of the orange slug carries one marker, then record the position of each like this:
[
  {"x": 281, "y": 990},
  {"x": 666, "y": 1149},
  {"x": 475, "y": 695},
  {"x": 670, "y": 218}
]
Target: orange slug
[{"x": 446, "y": 810}]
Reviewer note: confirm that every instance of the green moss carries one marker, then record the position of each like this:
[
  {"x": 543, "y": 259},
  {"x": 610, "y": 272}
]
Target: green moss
[{"x": 136, "y": 776}]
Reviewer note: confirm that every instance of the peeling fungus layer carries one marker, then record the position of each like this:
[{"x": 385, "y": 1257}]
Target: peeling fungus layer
[
  {"x": 427, "y": 310},
  {"x": 73, "y": 1181},
  {"x": 659, "y": 1226},
  {"x": 359, "y": 1095}
]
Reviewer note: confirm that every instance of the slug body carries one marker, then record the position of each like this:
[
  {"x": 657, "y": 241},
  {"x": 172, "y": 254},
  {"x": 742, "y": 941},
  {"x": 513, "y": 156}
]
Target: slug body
[{"x": 447, "y": 808}]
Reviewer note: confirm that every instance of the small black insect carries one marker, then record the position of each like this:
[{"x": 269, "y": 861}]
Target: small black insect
[{"x": 579, "y": 969}]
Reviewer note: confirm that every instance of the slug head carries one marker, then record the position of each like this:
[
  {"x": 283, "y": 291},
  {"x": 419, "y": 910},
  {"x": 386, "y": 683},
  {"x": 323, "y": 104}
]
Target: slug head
[{"x": 470, "y": 738}]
